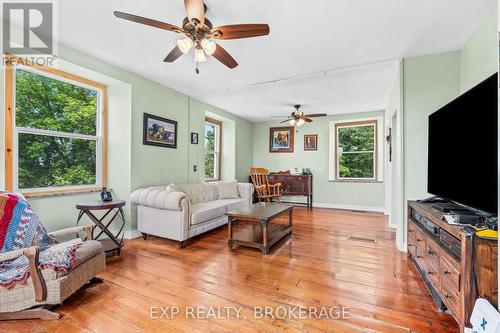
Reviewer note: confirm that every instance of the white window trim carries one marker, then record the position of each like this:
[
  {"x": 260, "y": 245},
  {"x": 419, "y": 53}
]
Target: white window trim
[
  {"x": 332, "y": 165},
  {"x": 216, "y": 152},
  {"x": 98, "y": 137}
]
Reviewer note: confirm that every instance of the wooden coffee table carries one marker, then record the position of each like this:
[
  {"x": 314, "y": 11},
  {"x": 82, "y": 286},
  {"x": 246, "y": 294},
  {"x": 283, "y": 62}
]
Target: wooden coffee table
[{"x": 263, "y": 235}]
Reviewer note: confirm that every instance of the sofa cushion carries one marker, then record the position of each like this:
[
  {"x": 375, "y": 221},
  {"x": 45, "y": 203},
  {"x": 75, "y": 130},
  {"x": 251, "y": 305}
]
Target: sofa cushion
[
  {"x": 84, "y": 252},
  {"x": 228, "y": 190},
  {"x": 204, "y": 211},
  {"x": 200, "y": 192},
  {"x": 234, "y": 204}
]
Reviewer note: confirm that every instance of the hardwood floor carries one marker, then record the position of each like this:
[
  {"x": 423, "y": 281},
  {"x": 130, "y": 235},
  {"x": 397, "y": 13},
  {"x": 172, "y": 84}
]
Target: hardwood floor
[{"x": 333, "y": 259}]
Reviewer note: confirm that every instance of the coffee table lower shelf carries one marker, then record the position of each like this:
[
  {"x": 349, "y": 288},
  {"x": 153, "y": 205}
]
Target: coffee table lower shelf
[{"x": 252, "y": 236}]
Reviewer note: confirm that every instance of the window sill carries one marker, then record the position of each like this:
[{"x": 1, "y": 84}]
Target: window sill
[
  {"x": 361, "y": 181},
  {"x": 57, "y": 193}
]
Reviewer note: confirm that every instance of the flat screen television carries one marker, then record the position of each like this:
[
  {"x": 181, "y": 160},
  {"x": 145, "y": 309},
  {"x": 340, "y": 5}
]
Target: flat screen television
[{"x": 463, "y": 149}]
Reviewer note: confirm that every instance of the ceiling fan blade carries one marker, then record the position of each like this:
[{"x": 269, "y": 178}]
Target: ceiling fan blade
[
  {"x": 278, "y": 116},
  {"x": 284, "y": 121},
  {"x": 173, "y": 55},
  {"x": 236, "y": 31},
  {"x": 195, "y": 9},
  {"x": 147, "y": 21},
  {"x": 223, "y": 56},
  {"x": 307, "y": 120},
  {"x": 315, "y": 115}
]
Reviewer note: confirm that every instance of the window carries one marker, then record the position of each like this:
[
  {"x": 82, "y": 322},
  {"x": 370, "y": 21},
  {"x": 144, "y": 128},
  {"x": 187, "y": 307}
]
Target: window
[
  {"x": 356, "y": 150},
  {"x": 55, "y": 139},
  {"x": 213, "y": 130}
]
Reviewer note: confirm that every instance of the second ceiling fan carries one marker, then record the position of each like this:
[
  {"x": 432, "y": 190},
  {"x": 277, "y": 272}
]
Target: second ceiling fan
[
  {"x": 200, "y": 34},
  {"x": 298, "y": 118}
]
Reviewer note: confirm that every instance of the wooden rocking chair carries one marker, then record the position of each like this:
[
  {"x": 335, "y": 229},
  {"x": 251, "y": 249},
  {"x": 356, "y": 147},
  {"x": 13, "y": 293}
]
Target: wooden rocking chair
[{"x": 264, "y": 190}]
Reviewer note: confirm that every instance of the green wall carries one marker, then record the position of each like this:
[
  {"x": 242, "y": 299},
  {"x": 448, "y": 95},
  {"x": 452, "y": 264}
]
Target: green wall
[
  {"x": 479, "y": 57},
  {"x": 131, "y": 164},
  {"x": 334, "y": 194},
  {"x": 430, "y": 82}
]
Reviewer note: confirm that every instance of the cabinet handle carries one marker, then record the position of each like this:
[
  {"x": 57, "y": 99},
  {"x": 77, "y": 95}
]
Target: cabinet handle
[
  {"x": 447, "y": 296},
  {"x": 419, "y": 240},
  {"x": 446, "y": 272},
  {"x": 430, "y": 273},
  {"x": 431, "y": 253},
  {"x": 419, "y": 257},
  {"x": 409, "y": 230}
]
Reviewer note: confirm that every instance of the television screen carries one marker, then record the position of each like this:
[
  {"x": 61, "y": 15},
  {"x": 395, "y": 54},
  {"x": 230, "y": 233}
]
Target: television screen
[{"x": 463, "y": 148}]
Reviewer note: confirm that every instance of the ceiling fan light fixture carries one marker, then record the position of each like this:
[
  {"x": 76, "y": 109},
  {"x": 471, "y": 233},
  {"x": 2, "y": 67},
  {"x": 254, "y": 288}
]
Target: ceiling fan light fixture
[
  {"x": 199, "y": 55},
  {"x": 185, "y": 45},
  {"x": 292, "y": 122},
  {"x": 209, "y": 46},
  {"x": 300, "y": 122}
]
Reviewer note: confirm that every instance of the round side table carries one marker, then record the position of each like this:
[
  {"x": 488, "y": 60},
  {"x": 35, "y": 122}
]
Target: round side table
[{"x": 115, "y": 241}]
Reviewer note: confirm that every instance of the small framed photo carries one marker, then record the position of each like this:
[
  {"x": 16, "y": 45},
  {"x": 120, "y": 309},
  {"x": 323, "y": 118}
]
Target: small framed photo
[
  {"x": 158, "y": 131},
  {"x": 311, "y": 142},
  {"x": 281, "y": 139},
  {"x": 194, "y": 138}
]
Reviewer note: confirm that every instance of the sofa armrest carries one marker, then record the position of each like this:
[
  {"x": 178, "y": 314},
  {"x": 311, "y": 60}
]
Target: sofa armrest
[
  {"x": 64, "y": 232},
  {"x": 32, "y": 254},
  {"x": 245, "y": 190},
  {"x": 157, "y": 198}
]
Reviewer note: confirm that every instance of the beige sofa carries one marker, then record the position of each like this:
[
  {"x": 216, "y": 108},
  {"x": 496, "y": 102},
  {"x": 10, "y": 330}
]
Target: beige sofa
[{"x": 180, "y": 212}]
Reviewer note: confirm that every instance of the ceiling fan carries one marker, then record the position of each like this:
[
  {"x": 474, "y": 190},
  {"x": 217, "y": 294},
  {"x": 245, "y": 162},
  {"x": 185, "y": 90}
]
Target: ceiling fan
[
  {"x": 200, "y": 34},
  {"x": 298, "y": 118}
]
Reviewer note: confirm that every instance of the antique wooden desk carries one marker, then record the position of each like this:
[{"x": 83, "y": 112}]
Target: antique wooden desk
[{"x": 294, "y": 185}]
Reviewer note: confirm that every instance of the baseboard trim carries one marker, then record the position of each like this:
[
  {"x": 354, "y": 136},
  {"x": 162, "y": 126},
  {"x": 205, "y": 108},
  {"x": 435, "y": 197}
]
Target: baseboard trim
[
  {"x": 131, "y": 234},
  {"x": 349, "y": 207}
]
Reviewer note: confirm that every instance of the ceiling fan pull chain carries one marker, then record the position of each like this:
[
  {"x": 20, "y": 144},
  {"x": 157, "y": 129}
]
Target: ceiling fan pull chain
[{"x": 197, "y": 70}]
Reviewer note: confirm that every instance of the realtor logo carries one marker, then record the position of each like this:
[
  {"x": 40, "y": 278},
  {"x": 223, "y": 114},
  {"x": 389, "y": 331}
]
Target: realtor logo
[{"x": 28, "y": 28}]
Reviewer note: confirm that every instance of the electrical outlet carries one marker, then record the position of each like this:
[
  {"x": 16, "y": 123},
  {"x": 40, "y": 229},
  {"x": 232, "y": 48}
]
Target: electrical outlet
[{"x": 195, "y": 168}]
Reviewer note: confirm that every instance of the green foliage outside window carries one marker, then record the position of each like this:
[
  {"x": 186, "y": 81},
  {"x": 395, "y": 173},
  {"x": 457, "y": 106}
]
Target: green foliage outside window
[
  {"x": 51, "y": 160},
  {"x": 356, "y": 151},
  {"x": 210, "y": 146}
]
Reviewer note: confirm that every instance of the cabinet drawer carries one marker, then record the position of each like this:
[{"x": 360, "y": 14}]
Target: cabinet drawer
[
  {"x": 433, "y": 254},
  {"x": 451, "y": 300},
  {"x": 450, "y": 276},
  {"x": 412, "y": 240}
]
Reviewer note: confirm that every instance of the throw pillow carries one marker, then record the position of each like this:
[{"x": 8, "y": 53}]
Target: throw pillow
[
  {"x": 172, "y": 187},
  {"x": 228, "y": 190}
]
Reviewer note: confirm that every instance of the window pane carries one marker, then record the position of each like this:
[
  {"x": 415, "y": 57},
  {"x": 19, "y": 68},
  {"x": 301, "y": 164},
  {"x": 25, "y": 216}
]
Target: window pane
[
  {"x": 358, "y": 165},
  {"x": 209, "y": 137},
  {"x": 50, "y": 104},
  {"x": 53, "y": 161},
  {"x": 210, "y": 166},
  {"x": 358, "y": 138}
]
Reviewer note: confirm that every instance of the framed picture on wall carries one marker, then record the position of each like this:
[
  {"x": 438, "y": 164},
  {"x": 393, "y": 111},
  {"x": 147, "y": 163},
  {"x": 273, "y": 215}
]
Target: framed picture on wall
[
  {"x": 194, "y": 138},
  {"x": 310, "y": 142},
  {"x": 281, "y": 139},
  {"x": 158, "y": 131}
]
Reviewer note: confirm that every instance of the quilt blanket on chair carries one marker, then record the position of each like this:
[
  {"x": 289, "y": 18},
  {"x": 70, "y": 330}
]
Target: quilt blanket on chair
[{"x": 20, "y": 227}]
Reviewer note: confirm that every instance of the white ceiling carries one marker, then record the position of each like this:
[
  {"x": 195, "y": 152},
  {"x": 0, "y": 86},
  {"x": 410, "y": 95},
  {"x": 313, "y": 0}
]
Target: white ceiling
[{"x": 307, "y": 39}]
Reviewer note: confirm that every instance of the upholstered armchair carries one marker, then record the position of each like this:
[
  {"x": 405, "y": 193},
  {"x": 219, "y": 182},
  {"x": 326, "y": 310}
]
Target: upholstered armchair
[
  {"x": 264, "y": 190},
  {"x": 46, "y": 287}
]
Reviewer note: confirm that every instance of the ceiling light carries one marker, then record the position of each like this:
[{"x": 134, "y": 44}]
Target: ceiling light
[
  {"x": 300, "y": 122},
  {"x": 185, "y": 45},
  {"x": 199, "y": 55},
  {"x": 292, "y": 122},
  {"x": 208, "y": 46}
]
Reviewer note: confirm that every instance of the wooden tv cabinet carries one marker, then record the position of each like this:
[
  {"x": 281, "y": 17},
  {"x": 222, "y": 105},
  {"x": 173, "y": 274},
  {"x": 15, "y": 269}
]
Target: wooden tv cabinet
[{"x": 454, "y": 278}]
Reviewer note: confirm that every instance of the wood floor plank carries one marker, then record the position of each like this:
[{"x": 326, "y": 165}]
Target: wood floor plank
[{"x": 333, "y": 258}]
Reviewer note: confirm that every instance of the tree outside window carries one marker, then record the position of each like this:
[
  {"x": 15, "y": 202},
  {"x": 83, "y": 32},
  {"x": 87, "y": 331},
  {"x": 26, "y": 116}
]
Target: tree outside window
[
  {"x": 212, "y": 149},
  {"x": 57, "y": 132},
  {"x": 356, "y": 153}
]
